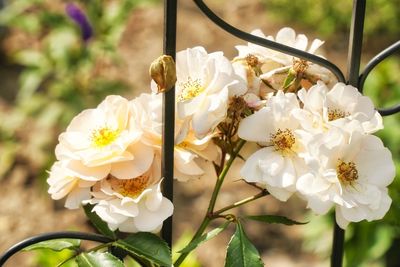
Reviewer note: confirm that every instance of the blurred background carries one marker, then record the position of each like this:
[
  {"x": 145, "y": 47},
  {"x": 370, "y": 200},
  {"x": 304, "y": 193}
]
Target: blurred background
[{"x": 54, "y": 64}]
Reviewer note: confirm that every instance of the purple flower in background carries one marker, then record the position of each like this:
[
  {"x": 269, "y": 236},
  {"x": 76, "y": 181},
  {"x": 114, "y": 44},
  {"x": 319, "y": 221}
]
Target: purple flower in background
[{"x": 79, "y": 17}]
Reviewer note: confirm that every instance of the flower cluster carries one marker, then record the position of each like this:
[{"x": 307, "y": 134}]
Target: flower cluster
[
  {"x": 110, "y": 157},
  {"x": 317, "y": 143},
  {"x": 313, "y": 134}
]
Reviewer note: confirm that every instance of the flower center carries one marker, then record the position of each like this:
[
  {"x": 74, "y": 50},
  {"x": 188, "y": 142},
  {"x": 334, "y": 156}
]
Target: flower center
[
  {"x": 103, "y": 136},
  {"x": 252, "y": 60},
  {"x": 334, "y": 114},
  {"x": 346, "y": 172},
  {"x": 129, "y": 187},
  {"x": 190, "y": 89},
  {"x": 300, "y": 65},
  {"x": 283, "y": 140},
  {"x": 183, "y": 145}
]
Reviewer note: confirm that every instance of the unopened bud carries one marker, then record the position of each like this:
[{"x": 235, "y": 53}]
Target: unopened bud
[{"x": 163, "y": 72}]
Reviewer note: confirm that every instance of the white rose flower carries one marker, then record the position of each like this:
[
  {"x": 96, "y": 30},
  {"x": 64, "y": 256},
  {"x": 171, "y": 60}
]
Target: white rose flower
[
  {"x": 132, "y": 205},
  {"x": 350, "y": 172},
  {"x": 204, "y": 148},
  {"x": 339, "y": 106},
  {"x": 204, "y": 84},
  {"x": 143, "y": 156},
  {"x": 191, "y": 154},
  {"x": 147, "y": 113},
  {"x": 286, "y": 36},
  {"x": 275, "y": 65},
  {"x": 104, "y": 138},
  {"x": 277, "y": 165},
  {"x": 146, "y": 110},
  {"x": 64, "y": 182},
  {"x": 249, "y": 69}
]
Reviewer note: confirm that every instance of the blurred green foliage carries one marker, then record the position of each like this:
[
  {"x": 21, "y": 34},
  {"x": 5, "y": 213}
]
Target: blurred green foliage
[
  {"x": 331, "y": 17},
  {"x": 61, "y": 73}
]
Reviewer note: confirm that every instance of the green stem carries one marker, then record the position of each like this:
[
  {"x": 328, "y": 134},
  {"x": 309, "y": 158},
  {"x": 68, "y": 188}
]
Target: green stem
[
  {"x": 222, "y": 176},
  {"x": 208, "y": 217},
  {"x": 223, "y": 158},
  {"x": 241, "y": 202}
]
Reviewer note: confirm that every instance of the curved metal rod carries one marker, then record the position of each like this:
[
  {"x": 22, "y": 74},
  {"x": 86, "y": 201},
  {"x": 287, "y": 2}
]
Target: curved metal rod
[
  {"x": 49, "y": 236},
  {"x": 389, "y": 111},
  {"x": 376, "y": 60},
  {"x": 268, "y": 43},
  {"x": 371, "y": 65}
]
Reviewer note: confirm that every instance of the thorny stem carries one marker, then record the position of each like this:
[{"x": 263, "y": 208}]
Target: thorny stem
[
  {"x": 222, "y": 176},
  {"x": 209, "y": 215},
  {"x": 223, "y": 158},
  {"x": 240, "y": 203},
  {"x": 256, "y": 186}
]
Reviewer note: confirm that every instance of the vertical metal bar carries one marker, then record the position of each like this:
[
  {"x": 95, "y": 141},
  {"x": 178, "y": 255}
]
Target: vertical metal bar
[
  {"x": 168, "y": 136},
  {"x": 338, "y": 247},
  {"x": 355, "y": 42},
  {"x": 353, "y": 69}
]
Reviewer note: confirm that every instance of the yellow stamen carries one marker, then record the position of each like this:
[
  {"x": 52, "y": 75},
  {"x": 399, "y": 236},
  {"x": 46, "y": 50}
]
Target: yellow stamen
[
  {"x": 190, "y": 89},
  {"x": 300, "y": 65},
  {"x": 252, "y": 60},
  {"x": 346, "y": 172},
  {"x": 283, "y": 140},
  {"x": 334, "y": 114},
  {"x": 183, "y": 145},
  {"x": 129, "y": 187},
  {"x": 103, "y": 136}
]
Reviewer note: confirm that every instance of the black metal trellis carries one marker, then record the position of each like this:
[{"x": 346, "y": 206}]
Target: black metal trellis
[
  {"x": 168, "y": 141},
  {"x": 371, "y": 65},
  {"x": 170, "y": 18}
]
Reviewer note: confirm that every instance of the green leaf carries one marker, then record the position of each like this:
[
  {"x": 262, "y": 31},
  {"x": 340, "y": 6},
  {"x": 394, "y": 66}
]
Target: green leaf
[
  {"x": 97, "y": 222},
  {"x": 274, "y": 219},
  {"x": 289, "y": 80},
  {"x": 56, "y": 245},
  {"x": 195, "y": 243},
  {"x": 98, "y": 259},
  {"x": 148, "y": 246},
  {"x": 241, "y": 252},
  {"x": 50, "y": 258}
]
